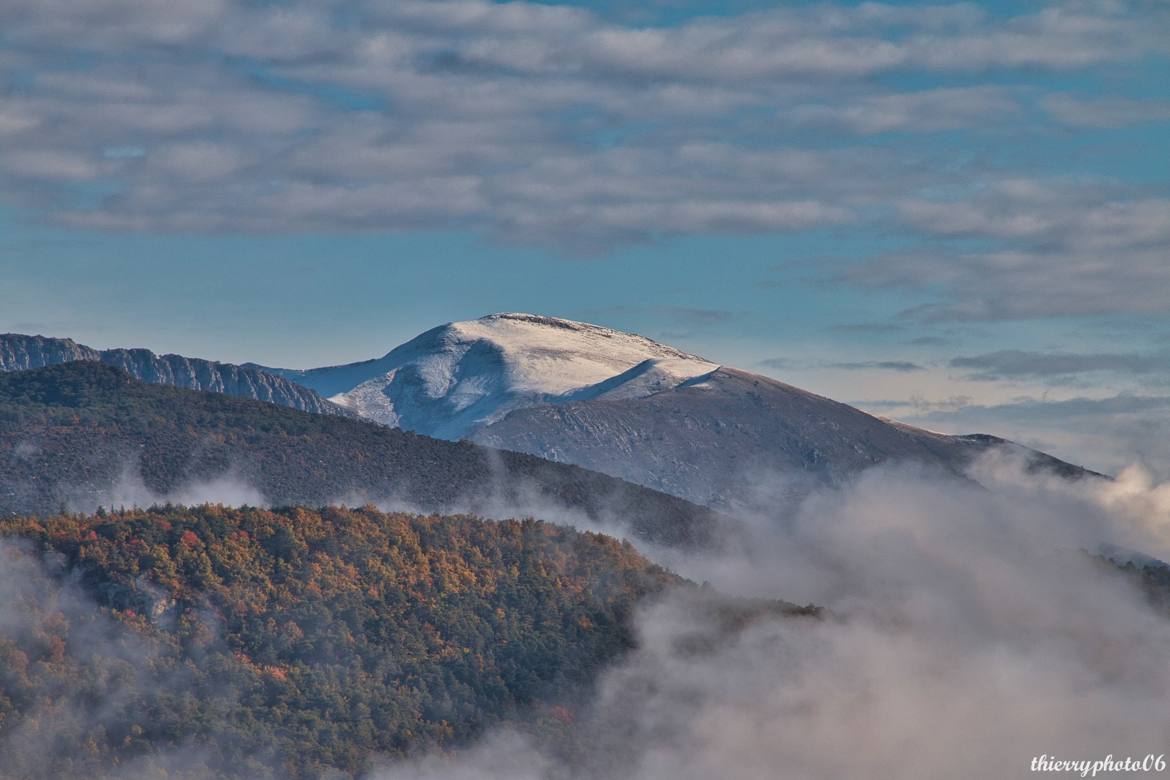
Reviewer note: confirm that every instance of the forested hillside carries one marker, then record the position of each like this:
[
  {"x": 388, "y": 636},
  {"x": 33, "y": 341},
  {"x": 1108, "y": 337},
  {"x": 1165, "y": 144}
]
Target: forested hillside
[
  {"x": 254, "y": 643},
  {"x": 73, "y": 435}
]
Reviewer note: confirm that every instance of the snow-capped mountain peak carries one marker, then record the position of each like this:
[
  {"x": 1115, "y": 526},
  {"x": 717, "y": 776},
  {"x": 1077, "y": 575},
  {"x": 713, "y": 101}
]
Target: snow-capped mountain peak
[
  {"x": 458, "y": 377},
  {"x": 553, "y": 356},
  {"x": 630, "y": 407}
]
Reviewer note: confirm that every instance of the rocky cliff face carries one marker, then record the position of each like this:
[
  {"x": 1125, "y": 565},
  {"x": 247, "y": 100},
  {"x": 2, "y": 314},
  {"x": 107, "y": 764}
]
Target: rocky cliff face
[{"x": 20, "y": 353}]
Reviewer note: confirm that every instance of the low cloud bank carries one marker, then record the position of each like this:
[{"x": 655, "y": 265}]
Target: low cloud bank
[
  {"x": 969, "y": 633},
  {"x": 504, "y": 495},
  {"x": 130, "y": 490},
  {"x": 970, "y": 628}
]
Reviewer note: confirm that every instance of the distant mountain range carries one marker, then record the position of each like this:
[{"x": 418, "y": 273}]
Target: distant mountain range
[
  {"x": 628, "y": 406},
  {"x": 193, "y": 640},
  {"x": 81, "y": 435},
  {"x": 610, "y": 401},
  {"x": 20, "y": 353}
]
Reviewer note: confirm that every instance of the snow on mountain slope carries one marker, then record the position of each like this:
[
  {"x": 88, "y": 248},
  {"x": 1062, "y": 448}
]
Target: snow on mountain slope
[
  {"x": 454, "y": 379},
  {"x": 630, "y": 407}
]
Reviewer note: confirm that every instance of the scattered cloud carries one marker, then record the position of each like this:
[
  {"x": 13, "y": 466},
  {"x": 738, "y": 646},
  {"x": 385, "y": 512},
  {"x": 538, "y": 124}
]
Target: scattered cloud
[
  {"x": 1021, "y": 364},
  {"x": 777, "y": 364},
  {"x": 867, "y": 327},
  {"x": 901, "y": 366},
  {"x": 544, "y": 124},
  {"x": 1105, "y": 433},
  {"x": 48, "y": 165},
  {"x": 917, "y": 403},
  {"x": 786, "y": 364},
  {"x": 1105, "y": 112},
  {"x": 925, "y": 111},
  {"x": 1073, "y": 250},
  {"x": 931, "y": 341}
]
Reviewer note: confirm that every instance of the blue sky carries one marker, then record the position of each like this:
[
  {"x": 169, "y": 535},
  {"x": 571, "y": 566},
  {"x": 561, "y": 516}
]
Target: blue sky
[{"x": 956, "y": 214}]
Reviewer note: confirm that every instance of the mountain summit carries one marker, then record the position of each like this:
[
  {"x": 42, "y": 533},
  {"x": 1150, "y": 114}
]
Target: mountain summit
[
  {"x": 630, "y": 407},
  {"x": 457, "y": 378}
]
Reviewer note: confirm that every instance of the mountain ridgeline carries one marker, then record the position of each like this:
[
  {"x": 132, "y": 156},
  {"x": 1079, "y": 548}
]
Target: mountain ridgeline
[
  {"x": 631, "y": 407},
  {"x": 20, "y": 353},
  {"x": 83, "y": 434},
  {"x": 614, "y": 402}
]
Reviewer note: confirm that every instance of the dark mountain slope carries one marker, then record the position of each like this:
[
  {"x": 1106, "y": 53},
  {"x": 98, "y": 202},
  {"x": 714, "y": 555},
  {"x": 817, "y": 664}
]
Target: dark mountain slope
[
  {"x": 73, "y": 434},
  {"x": 729, "y": 436},
  {"x": 20, "y": 353}
]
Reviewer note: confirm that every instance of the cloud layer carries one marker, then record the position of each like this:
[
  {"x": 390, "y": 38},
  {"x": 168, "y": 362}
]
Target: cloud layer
[
  {"x": 969, "y": 630},
  {"x": 568, "y": 128},
  {"x": 1102, "y": 433},
  {"x": 969, "y": 634},
  {"x": 1022, "y": 364}
]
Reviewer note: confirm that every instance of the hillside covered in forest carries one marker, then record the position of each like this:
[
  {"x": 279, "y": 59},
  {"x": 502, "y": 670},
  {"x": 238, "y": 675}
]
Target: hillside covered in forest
[
  {"x": 249, "y": 643},
  {"x": 79, "y": 435}
]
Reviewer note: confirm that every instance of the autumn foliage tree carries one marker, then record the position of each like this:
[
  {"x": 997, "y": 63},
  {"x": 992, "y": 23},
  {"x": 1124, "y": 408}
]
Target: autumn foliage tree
[{"x": 295, "y": 641}]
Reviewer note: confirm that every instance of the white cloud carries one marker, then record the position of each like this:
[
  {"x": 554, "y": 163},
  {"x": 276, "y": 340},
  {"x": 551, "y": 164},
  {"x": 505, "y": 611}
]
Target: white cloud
[
  {"x": 1103, "y": 433},
  {"x": 48, "y": 165},
  {"x": 15, "y": 119},
  {"x": 197, "y": 160},
  {"x": 533, "y": 122},
  {"x": 1105, "y": 112},
  {"x": 1076, "y": 217},
  {"x": 924, "y": 111},
  {"x": 1057, "y": 249},
  {"x": 1017, "y": 364},
  {"x": 97, "y": 23}
]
